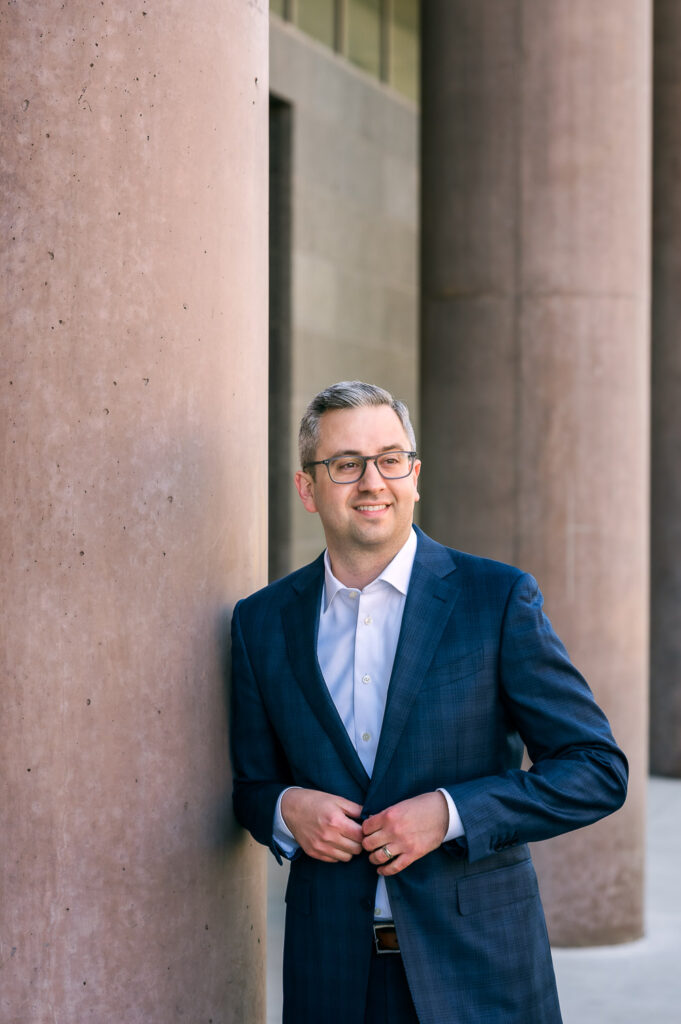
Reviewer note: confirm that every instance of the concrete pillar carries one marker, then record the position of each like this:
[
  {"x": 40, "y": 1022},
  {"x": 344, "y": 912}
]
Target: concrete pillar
[
  {"x": 665, "y": 570},
  {"x": 535, "y": 359},
  {"x": 134, "y": 296}
]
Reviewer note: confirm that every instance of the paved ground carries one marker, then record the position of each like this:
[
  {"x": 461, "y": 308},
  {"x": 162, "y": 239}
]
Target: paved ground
[{"x": 629, "y": 984}]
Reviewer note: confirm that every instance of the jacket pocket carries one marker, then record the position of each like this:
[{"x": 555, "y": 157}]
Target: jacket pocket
[
  {"x": 498, "y": 888},
  {"x": 442, "y": 673}
]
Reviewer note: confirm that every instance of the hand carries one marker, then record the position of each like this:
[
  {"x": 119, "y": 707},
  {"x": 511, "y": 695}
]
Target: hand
[
  {"x": 409, "y": 830},
  {"x": 323, "y": 824}
]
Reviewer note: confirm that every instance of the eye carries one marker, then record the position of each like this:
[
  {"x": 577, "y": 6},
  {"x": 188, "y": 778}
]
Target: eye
[
  {"x": 346, "y": 465},
  {"x": 392, "y": 459}
]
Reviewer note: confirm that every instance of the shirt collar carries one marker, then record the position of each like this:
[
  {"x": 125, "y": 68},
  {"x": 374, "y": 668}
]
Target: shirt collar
[{"x": 396, "y": 573}]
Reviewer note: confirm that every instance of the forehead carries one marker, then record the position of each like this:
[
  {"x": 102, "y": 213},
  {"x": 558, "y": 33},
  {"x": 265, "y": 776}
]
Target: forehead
[{"x": 366, "y": 430}]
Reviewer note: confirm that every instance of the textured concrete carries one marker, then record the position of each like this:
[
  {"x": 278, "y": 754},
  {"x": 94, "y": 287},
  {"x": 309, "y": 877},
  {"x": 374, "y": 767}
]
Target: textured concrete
[
  {"x": 353, "y": 239},
  {"x": 665, "y": 569},
  {"x": 134, "y": 304},
  {"x": 535, "y": 370}
]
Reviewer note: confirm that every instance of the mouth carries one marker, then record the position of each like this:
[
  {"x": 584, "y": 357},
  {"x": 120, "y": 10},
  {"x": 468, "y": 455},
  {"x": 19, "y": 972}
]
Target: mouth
[{"x": 370, "y": 508}]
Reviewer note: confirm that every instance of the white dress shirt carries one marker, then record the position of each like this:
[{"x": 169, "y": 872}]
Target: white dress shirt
[{"x": 356, "y": 644}]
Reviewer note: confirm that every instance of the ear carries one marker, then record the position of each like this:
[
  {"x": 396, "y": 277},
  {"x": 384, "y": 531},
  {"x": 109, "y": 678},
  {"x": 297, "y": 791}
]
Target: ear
[
  {"x": 305, "y": 487},
  {"x": 416, "y": 471}
]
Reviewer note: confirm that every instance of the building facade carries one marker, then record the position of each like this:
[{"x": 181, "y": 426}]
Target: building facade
[{"x": 477, "y": 237}]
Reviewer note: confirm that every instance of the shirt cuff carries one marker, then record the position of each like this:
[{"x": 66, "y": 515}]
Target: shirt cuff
[
  {"x": 281, "y": 833},
  {"x": 456, "y": 829}
]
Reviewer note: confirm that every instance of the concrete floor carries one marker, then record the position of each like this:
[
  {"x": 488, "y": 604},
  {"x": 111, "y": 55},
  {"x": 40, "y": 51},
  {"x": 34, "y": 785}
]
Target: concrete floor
[{"x": 638, "y": 981}]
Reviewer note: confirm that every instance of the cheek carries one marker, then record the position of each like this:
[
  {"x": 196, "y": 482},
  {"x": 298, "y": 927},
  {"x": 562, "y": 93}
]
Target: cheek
[
  {"x": 332, "y": 511},
  {"x": 410, "y": 493}
]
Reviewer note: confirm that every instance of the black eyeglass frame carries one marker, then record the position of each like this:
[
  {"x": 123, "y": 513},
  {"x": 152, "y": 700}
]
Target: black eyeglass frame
[{"x": 364, "y": 459}]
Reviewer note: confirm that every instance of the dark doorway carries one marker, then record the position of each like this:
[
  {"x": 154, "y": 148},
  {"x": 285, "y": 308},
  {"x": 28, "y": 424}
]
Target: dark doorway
[{"x": 280, "y": 453}]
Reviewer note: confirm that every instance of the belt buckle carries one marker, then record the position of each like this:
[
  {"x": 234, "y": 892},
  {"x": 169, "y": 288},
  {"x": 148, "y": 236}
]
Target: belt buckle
[{"x": 380, "y": 928}]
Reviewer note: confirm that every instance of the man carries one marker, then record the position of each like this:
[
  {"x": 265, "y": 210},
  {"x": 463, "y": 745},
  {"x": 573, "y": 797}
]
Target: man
[{"x": 381, "y": 699}]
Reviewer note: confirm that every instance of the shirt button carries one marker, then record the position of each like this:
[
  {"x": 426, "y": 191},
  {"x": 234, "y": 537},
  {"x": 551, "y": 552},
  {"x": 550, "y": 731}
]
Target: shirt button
[
  {"x": 377, "y": 911},
  {"x": 352, "y": 594},
  {"x": 366, "y": 736},
  {"x": 368, "y": 620},
  {"x": 366, "y": 679}
]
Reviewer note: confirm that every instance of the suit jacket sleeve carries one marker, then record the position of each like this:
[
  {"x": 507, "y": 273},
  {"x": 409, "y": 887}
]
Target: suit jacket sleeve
[
  {"x": 578, "y": 773},
  {"x": 260, "y": 768}
]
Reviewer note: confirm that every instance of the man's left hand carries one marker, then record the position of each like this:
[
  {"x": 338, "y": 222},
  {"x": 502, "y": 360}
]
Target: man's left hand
[{"x": 407, "y": 830}]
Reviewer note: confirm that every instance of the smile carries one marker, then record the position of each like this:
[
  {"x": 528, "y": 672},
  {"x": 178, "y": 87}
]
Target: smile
[{"x": 370, "y": 508}]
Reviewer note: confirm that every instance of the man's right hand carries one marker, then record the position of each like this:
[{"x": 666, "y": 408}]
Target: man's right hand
[{"x": 323, "y": 824}]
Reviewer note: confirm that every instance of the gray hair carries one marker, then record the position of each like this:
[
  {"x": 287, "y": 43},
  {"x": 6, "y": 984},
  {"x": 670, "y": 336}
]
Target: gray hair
[{"x": 347, "y": 394}]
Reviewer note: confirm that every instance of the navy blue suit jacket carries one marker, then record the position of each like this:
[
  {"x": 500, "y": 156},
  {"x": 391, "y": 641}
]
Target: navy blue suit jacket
[{"x": 478, "y": 672}]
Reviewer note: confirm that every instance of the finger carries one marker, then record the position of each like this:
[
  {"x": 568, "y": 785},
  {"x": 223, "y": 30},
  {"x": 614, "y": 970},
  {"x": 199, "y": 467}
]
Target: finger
[
  {"x": 378, "y": 857},
  {"x": 337, "y": 857},
  {"x": 373, "y": 824},
  {"x": 352, "y": 849},
  {"x": 394, "y": 866},
  {"x": 375, "y": 841},
  {"x": 334, "y": 840},
  {"x": 343, "y": 831},
  {"x": 350, "y": 808},
  {"x": 350, "y": 829},
  {"x": 332, "y": 851}
]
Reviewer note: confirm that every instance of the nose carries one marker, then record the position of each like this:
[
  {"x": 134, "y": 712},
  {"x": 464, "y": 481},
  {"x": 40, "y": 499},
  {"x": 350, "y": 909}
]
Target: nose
[{"x": 371, "y": 479}]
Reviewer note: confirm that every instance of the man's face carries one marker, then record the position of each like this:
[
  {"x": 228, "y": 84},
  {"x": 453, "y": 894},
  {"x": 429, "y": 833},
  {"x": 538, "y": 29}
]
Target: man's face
[{"x": 372, "y": 514}]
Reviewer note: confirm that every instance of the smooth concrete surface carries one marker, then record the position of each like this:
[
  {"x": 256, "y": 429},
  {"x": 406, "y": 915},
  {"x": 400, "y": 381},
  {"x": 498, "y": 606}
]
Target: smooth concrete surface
[
  {"x": 665, "y": 534},
  {"x": 535, "y": 359},
  {"x": 353, "y": 229},
  {"x": 623, "y": 984},
  {"x": 134, "y": 409}
]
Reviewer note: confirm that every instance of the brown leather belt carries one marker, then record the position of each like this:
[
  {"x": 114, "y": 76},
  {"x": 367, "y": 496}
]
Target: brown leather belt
[{"x": 385, "y": 939}]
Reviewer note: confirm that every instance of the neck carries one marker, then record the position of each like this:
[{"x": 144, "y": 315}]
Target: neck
[{"x": 360, "y": 568}]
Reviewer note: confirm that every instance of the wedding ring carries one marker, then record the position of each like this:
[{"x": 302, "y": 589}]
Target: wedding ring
[{"x": 387, "y": 853}]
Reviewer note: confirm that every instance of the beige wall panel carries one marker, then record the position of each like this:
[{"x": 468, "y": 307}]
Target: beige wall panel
[
  {"x": 354, "y": 239},
  {"x": 134, "y": 475}
]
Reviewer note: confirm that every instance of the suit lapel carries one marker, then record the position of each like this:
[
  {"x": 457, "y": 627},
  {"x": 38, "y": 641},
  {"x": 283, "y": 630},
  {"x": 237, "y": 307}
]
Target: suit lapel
[
  {"x": 301, "y": 622},
  {"x": 433, "y": 590}
]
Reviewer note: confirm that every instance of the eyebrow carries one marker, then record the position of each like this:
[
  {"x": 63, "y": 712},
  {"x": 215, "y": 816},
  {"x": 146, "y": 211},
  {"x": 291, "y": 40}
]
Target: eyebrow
[{"x": 353, "y": 451}]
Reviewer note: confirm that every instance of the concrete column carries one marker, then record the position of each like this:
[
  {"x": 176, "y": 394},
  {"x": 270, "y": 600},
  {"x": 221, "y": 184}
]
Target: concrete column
[
  {"x": 134, "y": 295},
  {"x": 665, "y": 570},
  {"x": 535, "y": 359}
]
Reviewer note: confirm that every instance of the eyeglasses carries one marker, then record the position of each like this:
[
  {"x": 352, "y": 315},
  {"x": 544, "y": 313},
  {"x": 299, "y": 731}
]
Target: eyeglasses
[{"x": 348, "y": 469}]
